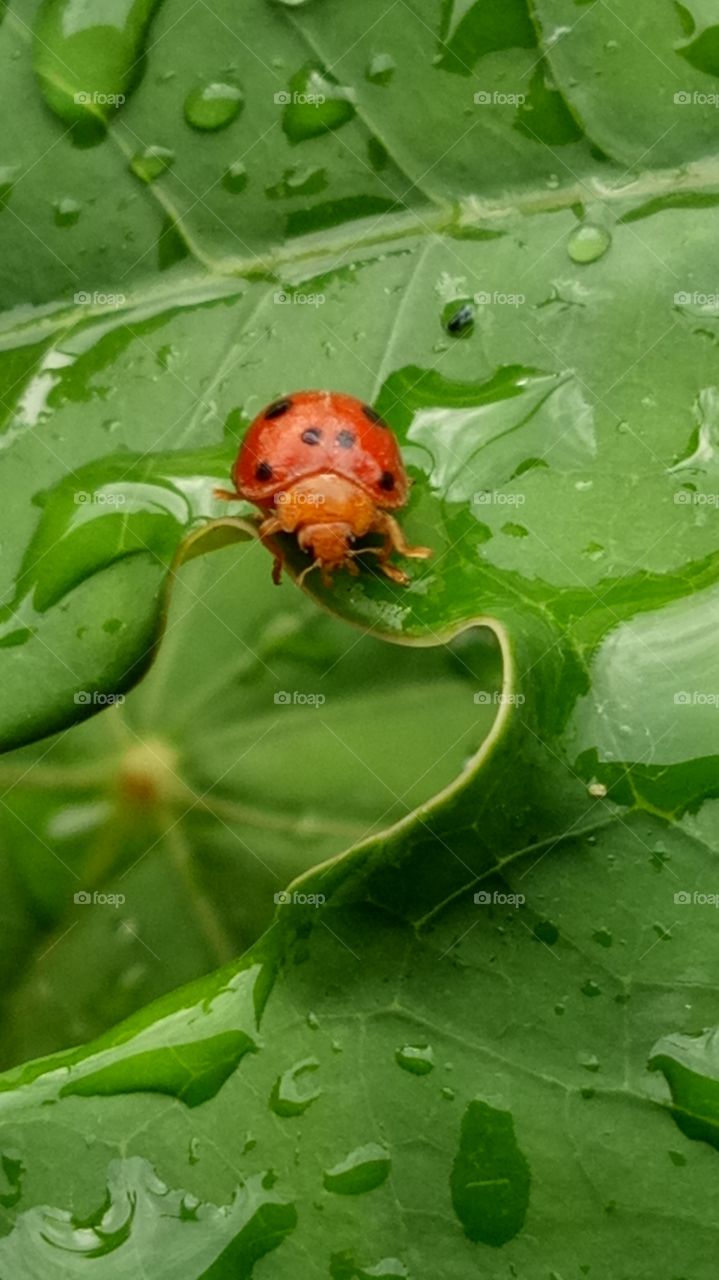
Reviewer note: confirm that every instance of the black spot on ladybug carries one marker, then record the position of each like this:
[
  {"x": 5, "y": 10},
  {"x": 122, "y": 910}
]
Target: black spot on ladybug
[
  {"x": 373, "y": 415},
  {"x": 386, "y": 481},
  {"x": 263, "y": 471},
  {"x": 345, "y": 439},
  {"x": 312, "y": 435},
  {"x": 276, "y": 409}
]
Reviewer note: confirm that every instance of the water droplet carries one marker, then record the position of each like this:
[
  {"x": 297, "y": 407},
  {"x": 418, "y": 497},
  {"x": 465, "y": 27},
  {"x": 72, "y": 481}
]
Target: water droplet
[
  {"x": 86, "y": 58},
  {"x": 67, "y": 211},
  {"x": 313, "y": 1021},
  {"x": 448, "y": 1093},
  {"x": 590, "y": 988},
  {"x": 589, "y": 1061},
  {"x": 677, "y": 1159},
  {"x": 362, "y": 1170},
  {"x": 458, "y": 317},
  {"x": 344, "y": 1266},
  {"x": 214, "y": 105},
  {"x": 588, "y": 242},
  {"x": 289, "y": 1097},
  {"x": 234, "y": 178},
  {"x": 603, "y": 937},
  {"x": 546, "y": 932},
  {"x": 317, "y": 104},
  {"x": 298, "y": 181},
  {"x": 380, "y": 68},
  {"x": 417, "y": 1058},
  {"x": 193, "y": 1151},
  {"x": 152, "y": 162},
  {"x": 490, "y": 1176}
]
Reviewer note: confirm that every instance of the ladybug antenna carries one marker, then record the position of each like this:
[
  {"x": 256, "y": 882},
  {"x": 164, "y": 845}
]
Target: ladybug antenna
[{"x": 315, "y": 565}]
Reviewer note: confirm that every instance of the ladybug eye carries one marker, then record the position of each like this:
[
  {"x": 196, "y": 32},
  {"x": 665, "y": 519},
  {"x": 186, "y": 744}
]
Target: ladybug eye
[
  {"x": 373, "y": 416},
  {"x": 386, "y": 481},
  {"x": 263, "y": 471},
  {"x": 345, "y": 439},
  {"x": 277, "y": 408},
  {"x": 313, "y": 435}
]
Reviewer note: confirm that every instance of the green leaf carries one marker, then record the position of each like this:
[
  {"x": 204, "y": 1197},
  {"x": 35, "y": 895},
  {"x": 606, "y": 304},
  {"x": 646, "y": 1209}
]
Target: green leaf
[{"x": 536, "y": 932}]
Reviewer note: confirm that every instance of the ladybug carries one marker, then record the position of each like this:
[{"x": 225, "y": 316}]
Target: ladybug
[{"x": 325, "y": 467}]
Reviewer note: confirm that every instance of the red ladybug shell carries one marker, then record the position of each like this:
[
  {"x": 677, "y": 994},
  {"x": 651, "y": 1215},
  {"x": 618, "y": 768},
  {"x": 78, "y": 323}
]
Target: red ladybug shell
[{"x": 310, "y": 432}]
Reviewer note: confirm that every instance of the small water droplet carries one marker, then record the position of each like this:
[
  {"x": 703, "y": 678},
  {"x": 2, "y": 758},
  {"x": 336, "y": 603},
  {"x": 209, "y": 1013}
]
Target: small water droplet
[
  {"x": 591, "y": 988},
  {"x": 589, "y": 1061},
  {"x": 313, "y": 1021},
  {"x": 289, "y": 1096},
  {"x": 362, "y": 1170},
  {"x": 380, "y": 68},
  {"x": 152, "y": 162},
  {"x": 417, "y": 1058},
  {"x": 315, "y": 104},
  {"x": 234, "y": 178},
  {"x": 213, "y": 105},
  {"x": 603, "y": 937},
  {"x": 67, "y": 211},
  {"x": 588, "y": 242}
]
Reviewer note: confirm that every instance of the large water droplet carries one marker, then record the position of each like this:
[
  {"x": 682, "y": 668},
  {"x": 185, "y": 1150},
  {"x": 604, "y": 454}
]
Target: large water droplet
[
  {"x": 417, "y": 1058},
  {"x": 315, "y": 104},
  {"x": 588, "y": 242},
  {"x": 214, "y": 105},
  {"x": 490, "y": 1176},
  {"x": 690, "y": 1065},
  {"x": 362, "y": 1170},
  {"x": 88, "y": 57},
  {"x": 458, "y": 317},
  {"x": 289, "y": 1096}
]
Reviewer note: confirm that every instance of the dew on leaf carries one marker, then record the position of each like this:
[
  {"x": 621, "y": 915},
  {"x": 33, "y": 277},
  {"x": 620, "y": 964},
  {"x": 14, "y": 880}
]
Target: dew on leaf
[
  {"x": 380, "y": 68},
  {"x": 490, "y": 1176},
  {"x": 458, "y": 317},
  {"x": 362, "y": 1170},
  {"x": 590, "y": 988},
  {"x": 66, "y": 211},
  {"x": 234, "y": 179},
  {"x": 150, "y": 164},
  {"x": 417, "y": 1058},
  {"x": 290, "y": 1094},
  {"x": 213, "y": 105},
  {"x": 315, "y": 104},
  {"x": 588, "y": 242}
]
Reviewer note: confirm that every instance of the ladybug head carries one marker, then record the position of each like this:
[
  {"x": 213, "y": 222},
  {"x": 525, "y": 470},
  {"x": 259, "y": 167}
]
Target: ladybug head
[{"x": 329, "y": 544}]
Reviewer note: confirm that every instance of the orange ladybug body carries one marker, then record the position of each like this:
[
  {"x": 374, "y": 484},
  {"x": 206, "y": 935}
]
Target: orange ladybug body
[{"x": 325, "y": 467}]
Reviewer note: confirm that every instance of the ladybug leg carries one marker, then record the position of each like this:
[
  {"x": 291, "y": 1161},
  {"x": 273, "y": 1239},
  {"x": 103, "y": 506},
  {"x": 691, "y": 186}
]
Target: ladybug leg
[
  {"x": 227, "y": 494},
  {"x": 269, "y": 526},
  {"x": 395, "y": 540}
]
